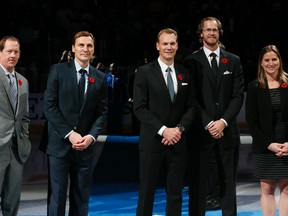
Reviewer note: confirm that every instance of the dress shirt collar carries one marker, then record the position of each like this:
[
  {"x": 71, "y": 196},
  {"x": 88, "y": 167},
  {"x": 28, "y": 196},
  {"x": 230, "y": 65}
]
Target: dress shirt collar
[
  {"x": 7, "y": 72},
  {"x": 208, "y": 52},
  {"x": 164, "y": 66},
  {"x": 78, "y": 67}
]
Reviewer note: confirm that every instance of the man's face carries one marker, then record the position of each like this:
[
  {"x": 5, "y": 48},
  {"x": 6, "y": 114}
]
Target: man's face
[
  {"x": 210, "y": 33},
  {"x": 10, "y": 55},
  {"x": 83, "y": 49},
  {"x": 167, "y": 47}
]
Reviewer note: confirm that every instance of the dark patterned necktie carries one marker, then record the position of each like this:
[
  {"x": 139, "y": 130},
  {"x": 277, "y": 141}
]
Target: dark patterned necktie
[
  {"x": 170, "y": 84},
  {"x": 81, "y": 85},
  {"x": 214, "y": 64},
  {"x": 13, "y": 91}
]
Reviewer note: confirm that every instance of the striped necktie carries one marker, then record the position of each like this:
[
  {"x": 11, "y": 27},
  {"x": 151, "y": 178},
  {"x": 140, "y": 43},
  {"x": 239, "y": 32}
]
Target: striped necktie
[{"x": 13, "y": 91}]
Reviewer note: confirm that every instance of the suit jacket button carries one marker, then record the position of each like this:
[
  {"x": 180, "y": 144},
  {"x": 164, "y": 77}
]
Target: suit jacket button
[
  {"x": 74, "y": 128},
  {"x": 217, "y": 104}
]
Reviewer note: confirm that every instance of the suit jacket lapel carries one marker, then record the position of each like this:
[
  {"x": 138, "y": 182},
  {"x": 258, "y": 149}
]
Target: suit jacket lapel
[
  {"x": 284, "y": 99},
  {"x": 5, "y": 82},
  {"x": 19, "y": 90},
  {"x": 156, "y": 71},
  {"x": 222, "y": 67},
  {"x": 71, "y": 73},
  {"x": 91, "y": 83},
  {"x": 179, "y": 81},
  {"x": 264, "y": 95}
]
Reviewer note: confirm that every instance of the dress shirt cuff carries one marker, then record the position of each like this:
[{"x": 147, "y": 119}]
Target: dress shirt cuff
[
  {"x": 68, "y": 134},
  {"x": 224, "y": 122},
  {"x": 206, "y": 128},
  {"x": 160, "y": 132},
  {"x": 92, "y": 137},
  {"x": 87, "y": 135}
]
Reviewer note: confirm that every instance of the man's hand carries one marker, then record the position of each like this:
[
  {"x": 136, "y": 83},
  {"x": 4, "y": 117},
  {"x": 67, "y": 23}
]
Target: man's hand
[
  {"x": 171, "y": 136},
  {"x": 75, "y": 138},
  {"x": 80, "y": 143},
  {"x": 216, "y": 129}
]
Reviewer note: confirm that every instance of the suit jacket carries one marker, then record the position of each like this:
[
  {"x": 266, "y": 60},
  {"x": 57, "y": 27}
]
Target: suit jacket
[
  {"x": 17, "y": 122},
  {"x": 153, "y": 107},
  {"x": 218, "y": 98},
  {"x": 63, "y": 110},
  {"x": 260, "y": 115}
]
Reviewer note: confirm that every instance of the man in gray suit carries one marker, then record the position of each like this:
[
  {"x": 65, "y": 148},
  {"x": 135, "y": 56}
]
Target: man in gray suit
[{"x": 14, "y": 110}]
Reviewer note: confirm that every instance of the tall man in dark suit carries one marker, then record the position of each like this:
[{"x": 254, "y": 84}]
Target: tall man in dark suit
[
  {"x": 73, "y": 126},
  {"x": 220, "y": 96},
  {"x": 14, "y": 116},
  {"x": 165, "y": 114}
]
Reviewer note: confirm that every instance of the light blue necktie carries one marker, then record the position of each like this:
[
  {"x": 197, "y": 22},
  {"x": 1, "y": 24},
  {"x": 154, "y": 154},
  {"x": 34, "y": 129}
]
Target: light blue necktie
[
  {"x": 13, "y": 91},
  {"x": 170, "y": 84}
]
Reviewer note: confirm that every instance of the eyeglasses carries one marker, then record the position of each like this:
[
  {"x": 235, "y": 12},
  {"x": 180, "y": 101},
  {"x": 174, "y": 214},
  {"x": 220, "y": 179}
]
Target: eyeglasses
[{"x": 210, "y": 30}]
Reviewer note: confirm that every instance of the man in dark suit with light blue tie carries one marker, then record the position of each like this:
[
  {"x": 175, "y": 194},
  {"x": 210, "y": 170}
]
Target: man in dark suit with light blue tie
[
  {"x": 73, "y": 127},
  {"x": 165, "y": 109},
  {"x": 14, "y": 116},
  {"x": 219, "y": 93}
]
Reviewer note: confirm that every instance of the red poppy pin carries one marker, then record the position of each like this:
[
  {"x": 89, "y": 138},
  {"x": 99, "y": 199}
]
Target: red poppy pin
[
  {"x": 284, "y": 85},
  {"x": 20, "y": 82},
  {"x": 91, "y": 80},
  {"x": 180, "y": 77},
  {"x": 224, "y": 60}
]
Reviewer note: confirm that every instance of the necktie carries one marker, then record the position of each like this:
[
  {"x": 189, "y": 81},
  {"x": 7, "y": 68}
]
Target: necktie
[
  {"x": 13, "y": 91},
  {"x": 214, "y": 64},
  {"x": 170, "y": 84},
  {"x": 81, "y": 85}
]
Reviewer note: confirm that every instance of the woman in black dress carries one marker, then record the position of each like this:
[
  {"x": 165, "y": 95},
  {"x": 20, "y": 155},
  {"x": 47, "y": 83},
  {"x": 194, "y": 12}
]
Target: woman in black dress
[{"x": 267, "y": 119}]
